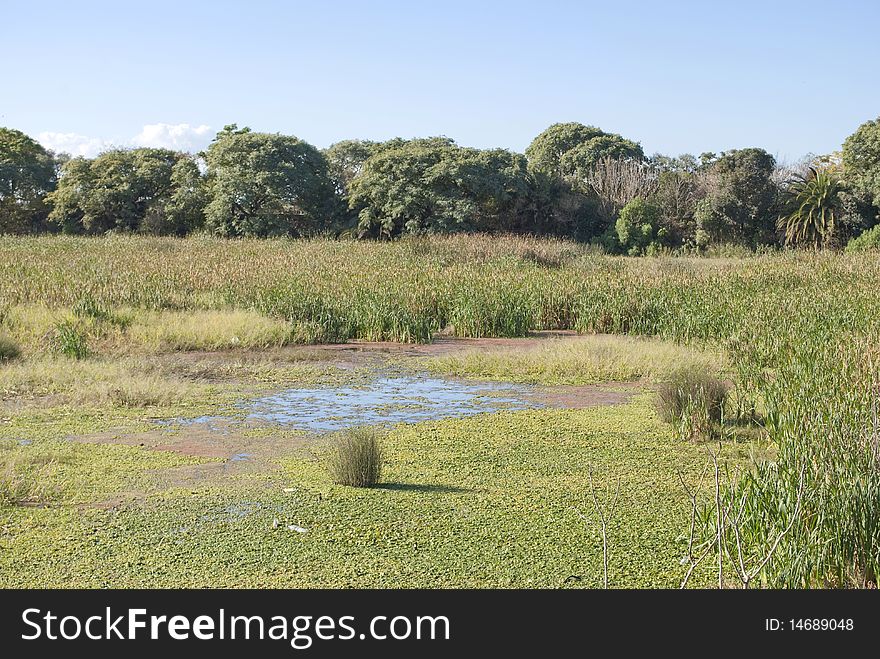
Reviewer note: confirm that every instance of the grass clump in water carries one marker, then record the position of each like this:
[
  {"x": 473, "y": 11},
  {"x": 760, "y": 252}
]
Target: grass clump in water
[{"x": 356, "y": 459}]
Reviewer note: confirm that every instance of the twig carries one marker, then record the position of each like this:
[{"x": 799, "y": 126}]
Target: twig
[{"x": 605, "y": 516}]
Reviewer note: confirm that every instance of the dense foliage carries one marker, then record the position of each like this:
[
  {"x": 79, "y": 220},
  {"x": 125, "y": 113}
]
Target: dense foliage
[
  {"x": 437, "y": 186},
  {"x": 861, "y": 158},
  {"x": 267, "y": 185},
  {"x": 573, "y": 181},
  {"x": 27, "y": 174},
  {"x": 151, "y": 190},
  {"x": 741, "y": 199}
]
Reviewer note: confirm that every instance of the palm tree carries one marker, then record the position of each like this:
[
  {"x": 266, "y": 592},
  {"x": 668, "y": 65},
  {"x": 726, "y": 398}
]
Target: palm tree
[{"x": 815, "y": 208}]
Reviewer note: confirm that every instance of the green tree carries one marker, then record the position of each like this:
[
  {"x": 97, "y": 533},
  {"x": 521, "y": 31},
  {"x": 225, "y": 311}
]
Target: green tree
[
  {"x": 814, "y": 207},
  {"x": 345, "y": 160},
  {"x": 638, "y": 228},
  {"x": 121, "y": 190},
  {"x": 571, "y": 148},
  {"x": 27, "y": 174},
  {"x": 741, "y": 199},
  {"x": 264, "y": 184},
  {"x": 183, "y": 209},
  {"x": 578, "y": 161},
  {"x": 434, "y": 185},
  {"x": 547, "y": 149},
  {"x": 861, "y": 161},
  {"x": 563, "y": 162}
]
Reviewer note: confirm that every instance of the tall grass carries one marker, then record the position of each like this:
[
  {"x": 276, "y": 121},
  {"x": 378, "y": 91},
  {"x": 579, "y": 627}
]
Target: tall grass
[{"x": 814, "y": 511}]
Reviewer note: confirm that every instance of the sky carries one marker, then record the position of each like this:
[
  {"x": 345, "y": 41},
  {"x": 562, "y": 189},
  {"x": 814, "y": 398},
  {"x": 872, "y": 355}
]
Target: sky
[{"x": 793, "y": 77}]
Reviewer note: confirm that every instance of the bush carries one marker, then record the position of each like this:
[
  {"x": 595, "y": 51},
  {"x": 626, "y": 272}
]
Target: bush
[
  {"x": 869, "y": 239},
  {"x": 638, "y": 228},
  {"x": 692, "y": 394},
  {"x": 8, "y": 349},
  {"x": 69, "y": 341},
  {"x": 356, "y": 459}
]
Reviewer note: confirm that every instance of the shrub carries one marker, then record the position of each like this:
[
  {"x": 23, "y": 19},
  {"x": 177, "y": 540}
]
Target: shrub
[
  {"x": 637, "y": 228},
  {"x": 692, "y": 395},
  {"x": 356, "y": 459},
  {"x": 8, "y": 349},
  {"x": 869, "y": 239},
  {"x": 69, "y": 341}
]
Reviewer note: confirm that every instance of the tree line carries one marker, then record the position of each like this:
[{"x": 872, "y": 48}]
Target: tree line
[{"x": 574, "y": 180}]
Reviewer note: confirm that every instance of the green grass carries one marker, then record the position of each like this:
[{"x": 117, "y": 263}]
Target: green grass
[
  {"x": 487, "y": 501},
  {"x": 356, "y": 457}
]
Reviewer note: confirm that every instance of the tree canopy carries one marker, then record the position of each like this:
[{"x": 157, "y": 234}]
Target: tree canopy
[
  {"x": 741, "y": 200},
  {"x": 27, "y": 175},
  {"x": 265, "y": 184},
  {"x": 861, "y": 160},
  {"x": 574, "y": 180},
  {"x": 152, "y": 190},
  {"x": 570, "y": 149},
  {"x": 435, "y": 185}
]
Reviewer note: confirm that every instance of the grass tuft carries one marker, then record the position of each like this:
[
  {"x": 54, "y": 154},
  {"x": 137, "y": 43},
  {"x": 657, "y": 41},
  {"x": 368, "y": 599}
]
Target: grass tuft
[
  {"x": 68, "y": 340},
  {"x": 24, "y": 482},
  {"x": 693, "y": 400},
  {"x": 356, "y": 459}
]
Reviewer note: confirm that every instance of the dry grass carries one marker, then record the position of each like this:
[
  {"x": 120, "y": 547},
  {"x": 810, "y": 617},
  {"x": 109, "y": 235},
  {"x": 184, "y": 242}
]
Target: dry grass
[
  {"x": 93, "y": 383},
  {"x": 689, "y": 390},
  {"x": 207, "y": 330},
  {"x": 581, "y": 360},
  {"x": 133, "y": 331},
  {"x": 24, "y": 481}
]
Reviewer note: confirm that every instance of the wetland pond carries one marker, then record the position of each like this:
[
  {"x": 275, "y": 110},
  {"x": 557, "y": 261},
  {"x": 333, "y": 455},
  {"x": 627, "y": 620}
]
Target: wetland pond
[{"x": 385, "y": 400}]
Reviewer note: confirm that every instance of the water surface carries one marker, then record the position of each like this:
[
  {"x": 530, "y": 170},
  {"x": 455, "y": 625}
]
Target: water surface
[{"x": 387, "y": 401}]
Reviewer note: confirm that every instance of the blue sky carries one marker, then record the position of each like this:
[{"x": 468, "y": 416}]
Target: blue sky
[{"x": 791, "y": 77}]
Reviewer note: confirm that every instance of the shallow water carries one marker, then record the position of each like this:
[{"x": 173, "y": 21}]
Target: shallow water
[{"x": 387, "y": 401}]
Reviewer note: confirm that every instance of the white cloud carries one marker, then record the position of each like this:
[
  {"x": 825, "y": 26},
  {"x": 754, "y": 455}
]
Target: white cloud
[
  {"x": 73, "y": 143},
  {"x": 179, "y": 137}
]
